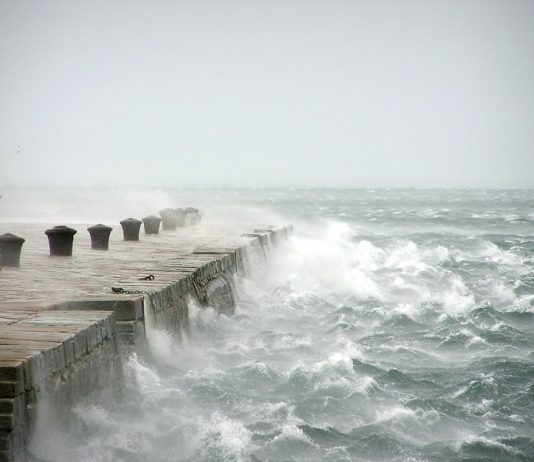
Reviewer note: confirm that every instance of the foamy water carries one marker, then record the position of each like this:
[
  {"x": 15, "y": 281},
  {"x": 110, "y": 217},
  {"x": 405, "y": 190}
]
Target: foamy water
[{"x": 394, "y": 325}]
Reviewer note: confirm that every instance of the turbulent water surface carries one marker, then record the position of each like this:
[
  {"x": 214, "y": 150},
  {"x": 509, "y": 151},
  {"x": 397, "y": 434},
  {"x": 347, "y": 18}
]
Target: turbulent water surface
[{"x": 394, "y": 325}]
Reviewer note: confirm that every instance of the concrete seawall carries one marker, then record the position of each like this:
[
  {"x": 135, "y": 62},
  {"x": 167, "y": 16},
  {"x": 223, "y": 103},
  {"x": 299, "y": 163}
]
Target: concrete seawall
[{"x": 66, "y": 322}]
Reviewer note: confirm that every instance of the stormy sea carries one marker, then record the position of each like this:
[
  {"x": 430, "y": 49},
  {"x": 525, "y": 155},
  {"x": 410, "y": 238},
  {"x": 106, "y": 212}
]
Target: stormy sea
[{"x": 394, "y": 325}]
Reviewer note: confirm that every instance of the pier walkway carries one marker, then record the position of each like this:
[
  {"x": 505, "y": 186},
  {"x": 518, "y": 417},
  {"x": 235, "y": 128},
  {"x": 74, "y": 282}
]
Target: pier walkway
[{"x": 62, "y": 326}]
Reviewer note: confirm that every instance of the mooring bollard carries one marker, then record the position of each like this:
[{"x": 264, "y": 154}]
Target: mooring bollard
[
  {"x": 60, "y": 239},
  {"x": 130, "y": 229},
  {"x": 99, "y": 236},
  {"x": 192, "y": 215},
  {"x": 180, "y": 217},
  {"x": 151, "y": 224},
  {"x": 168, "y": 219},
  {"x": 10, "y": 248}
]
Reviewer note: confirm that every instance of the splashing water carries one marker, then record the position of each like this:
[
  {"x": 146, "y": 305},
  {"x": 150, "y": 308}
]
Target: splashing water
[{"x": 401, "y": 329}]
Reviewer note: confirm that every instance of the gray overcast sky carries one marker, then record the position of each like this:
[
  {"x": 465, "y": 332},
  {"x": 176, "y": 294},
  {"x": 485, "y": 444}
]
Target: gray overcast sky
[{"x": 267, "y": 93}]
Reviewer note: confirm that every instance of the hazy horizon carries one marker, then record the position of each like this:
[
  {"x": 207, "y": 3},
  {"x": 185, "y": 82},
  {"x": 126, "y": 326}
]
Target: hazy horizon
[
  {"x": 349, "y": 94},
  {"x": 104, "y": 187}
]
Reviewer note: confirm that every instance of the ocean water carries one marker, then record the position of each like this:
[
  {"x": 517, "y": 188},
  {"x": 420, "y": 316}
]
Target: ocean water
[{"x": 395, "y": 325}]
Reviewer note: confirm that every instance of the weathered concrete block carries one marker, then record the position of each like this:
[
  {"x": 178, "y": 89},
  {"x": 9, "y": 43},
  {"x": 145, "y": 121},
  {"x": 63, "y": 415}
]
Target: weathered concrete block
[
  {"x": 126, "y": 310},
  {"x": 59, "y": 357},
  {"x": 69, "y": 346},
  {"x": 98, "y": 330},
  {"x": 6, "y": 422},
  {"x": 220, "y": 295},
  {"x": 7, "y": 405},
  {"x": 9, "y": 389},
  {"x": 80, "y": 346},
  {"x": 91, "y": 338},
  {"x": 11, "y": 371},
  {"x": 125, "y": 327},
  {"x": 6, "y": 443}
]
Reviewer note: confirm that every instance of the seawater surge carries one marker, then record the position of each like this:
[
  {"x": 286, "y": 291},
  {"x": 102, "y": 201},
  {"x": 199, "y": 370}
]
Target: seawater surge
[{"x": 394, "y": 325}]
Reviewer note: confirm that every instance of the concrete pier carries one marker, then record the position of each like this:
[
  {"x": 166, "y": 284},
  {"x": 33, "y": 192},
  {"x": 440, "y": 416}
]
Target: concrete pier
[{"x": 65, "y": 322}]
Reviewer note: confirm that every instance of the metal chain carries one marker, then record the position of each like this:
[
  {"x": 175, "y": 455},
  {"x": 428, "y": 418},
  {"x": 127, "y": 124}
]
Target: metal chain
[{"x": 120, "y": 290}]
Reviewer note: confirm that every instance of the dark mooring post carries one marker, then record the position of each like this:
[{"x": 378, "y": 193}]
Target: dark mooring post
[
  {"x": 193, "y": 215},
  {"x": 151, "y": 224},
  {"x": 180, "y": 217},
  {"x": 99, "y": 236},
  {"x": 168, "y": 219},
  {"x": 130, "y": 229},
  {"x": 10, "y": 248},
  {"x": 60, "y": 239}
]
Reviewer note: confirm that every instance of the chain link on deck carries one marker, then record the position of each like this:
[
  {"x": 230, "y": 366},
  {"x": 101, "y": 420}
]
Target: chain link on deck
[{"x": 120, "y": 290}]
